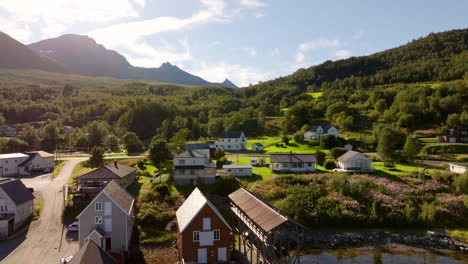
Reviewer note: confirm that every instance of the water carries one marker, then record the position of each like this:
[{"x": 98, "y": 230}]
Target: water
[{"x": 385, "y": 255}]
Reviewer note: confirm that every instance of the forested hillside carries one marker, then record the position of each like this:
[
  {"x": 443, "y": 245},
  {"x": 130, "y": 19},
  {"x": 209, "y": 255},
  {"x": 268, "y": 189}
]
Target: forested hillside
[{"x": 423, "y": 84}]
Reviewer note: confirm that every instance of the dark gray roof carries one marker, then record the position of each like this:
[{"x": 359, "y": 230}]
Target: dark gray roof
[
  {"x": 31, "y": 156},
  {"x": 351, "y": 154},
  {"x": 16, "y": 190},
  {"x": 119, "y": 195},
  {"x": 190, "y": 154},
  {"x": 91, "y": 253},
  {"x": 231, "y": 134},
  {"x": 109, "y": 171},
  {"x": 287, "y": 158},
  {"x": 325, "y": 128}
]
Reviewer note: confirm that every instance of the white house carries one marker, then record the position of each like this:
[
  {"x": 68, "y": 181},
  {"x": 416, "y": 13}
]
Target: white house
[
  {"x": 9, "y": 164},
  {"x": 354, "y": 161},
  {"x": 16, "y": 206},
  {"x": 193, "y": 167},
  {"x": 257, "y": 147},
  {"x": 231, "y": 140},
  {"x": 316, "y": 132},
  {"x": 293, "y": 162},
  {"x": 458, "y": 167},
  {"x": 38, "y": 161},
  {"x": 237, "y": 170}
]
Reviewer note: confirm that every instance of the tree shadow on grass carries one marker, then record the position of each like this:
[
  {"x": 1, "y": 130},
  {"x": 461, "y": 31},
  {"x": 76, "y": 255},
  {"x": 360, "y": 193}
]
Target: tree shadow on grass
[{"x": 253, "y": 178}]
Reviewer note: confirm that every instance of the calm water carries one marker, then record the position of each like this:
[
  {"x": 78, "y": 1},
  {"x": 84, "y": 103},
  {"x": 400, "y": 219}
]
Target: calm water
[{"x": 382, "y": 256}]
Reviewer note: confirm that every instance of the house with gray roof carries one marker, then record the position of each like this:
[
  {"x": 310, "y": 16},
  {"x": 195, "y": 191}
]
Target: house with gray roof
[
  {"x": 193, "y": 167},
  {"x": 92, "y": 253},
  {"x": 108, "y": 219},
  {"x": 16, "y": 206},
  {"x": 94, "y": 181},
  {"x": 353, "y": 161},
  {"x": 204, "y": 236},
  {"x": 231, "y": 141},
  {"x": 316, "y": 132},
  {"x": 292, "y": 162}
]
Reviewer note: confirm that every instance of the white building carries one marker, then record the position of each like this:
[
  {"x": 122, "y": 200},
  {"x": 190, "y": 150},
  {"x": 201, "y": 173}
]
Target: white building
[
  {"x": 458, "y": 167},
  {"x": 354, "y": 161},
  {"x": 316, "y": 132},
  {"x": 9, "y": 164},
  {"x": 231, "y": 140},
  {"x": 293, "y": 162},
  {"x": 192, "y": 167},
  {"x": 257, "y": 147},
  {"x": 38, "y": 161},
  {"x": 237, "y": 170},
  {"x": 16, "y": 206}
]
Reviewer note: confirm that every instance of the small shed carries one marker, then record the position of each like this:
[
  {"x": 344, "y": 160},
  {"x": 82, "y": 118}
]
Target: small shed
[
  {"x": 257, "y": 147},
  {"x": 237, "y": 170}
]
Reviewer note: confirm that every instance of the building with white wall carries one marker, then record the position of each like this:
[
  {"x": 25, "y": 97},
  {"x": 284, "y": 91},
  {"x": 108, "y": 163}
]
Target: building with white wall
[
  {"x": 237, "y": 170},
  {"x": 231, "y": 140},
  {"x": 9, "y": 164}
]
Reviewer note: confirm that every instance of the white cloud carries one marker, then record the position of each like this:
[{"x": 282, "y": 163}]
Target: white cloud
[
  {"x": 275, "y": 52},
  {"x": 252, "y": 52},
  {"x": 252, "y": 3},
  {"x": 318, "y": 44},
  {"x": 343, "y": 54},
  {"x": 20, "y": 32},
  {"x": 240, "y": 75},
  {"x": 259, "y": 15},
  {"x": 300, "y": 57},
  {"x": 359, "y": 34}
]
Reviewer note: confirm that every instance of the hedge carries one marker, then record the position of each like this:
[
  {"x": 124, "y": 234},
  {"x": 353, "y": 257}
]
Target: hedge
[{"x": 443, "y": 149}]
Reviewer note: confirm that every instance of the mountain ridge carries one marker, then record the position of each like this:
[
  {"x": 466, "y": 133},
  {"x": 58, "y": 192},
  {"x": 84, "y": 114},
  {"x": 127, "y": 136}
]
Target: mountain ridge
[{"x": 80, "y": 54}]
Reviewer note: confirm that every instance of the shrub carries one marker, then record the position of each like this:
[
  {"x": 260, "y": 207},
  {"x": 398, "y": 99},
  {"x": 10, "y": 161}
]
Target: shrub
[
  {"x": 330, "y": 164},
  {"x": 428, "y": 213},
  {"x": 226, "y": 184},
  {"x": 337, "y": 152},
  {"x": 328, "y": 141},
  {"x": 465, "y": 201},
  {"x": 359, "y": 189},
  {"x": 219, "y": 153},
  {"x": 377, "y": 209},
  {"x": 220, "y": 162},
  {"x": 441, "y": 176},
  {"x": 298, "y": 137},
  {"x": 148, "y": 196},
  {"x": 291, "y": 180},
  {"x": 461, "y": 183},
  {"x": 285, "y": 139},
  {"x": 320, "y": 157},
  {"x": 447, "y": 149},
  {"x": 141, "y": 165},
  {"x": 341, "y": 184},
  {"x": 162, "y": 188}
]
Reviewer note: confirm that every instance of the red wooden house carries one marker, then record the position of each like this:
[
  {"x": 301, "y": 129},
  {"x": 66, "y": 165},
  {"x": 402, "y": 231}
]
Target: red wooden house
[{"x": 204, "y": 235}]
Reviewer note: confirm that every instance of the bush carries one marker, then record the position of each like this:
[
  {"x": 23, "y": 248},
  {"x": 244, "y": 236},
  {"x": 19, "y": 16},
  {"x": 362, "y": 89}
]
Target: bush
[
  {"x": 298, "y": 137},
  {"x": 337, "y": 152},
  {"x": 445, "y": 149},
  {"x": 320, "y": 156},
  {"x": 465, "y": 201},
  {"x": 148, "y": 196},
  {"x": 441, "y": 176},
  {"x": 461, "y": 183},
  {"x": 226, "y": 184},
  {"x": 341, "y": 184},
  {"x": 329, "y": 164},
  {"x": 359, "y": 189},
  {"x": 220, "y": 162},
  {"x": 291, "y": 180},
  {"x": 328, "y": 141},
  {"x": 141, "y": 165},
  {"x": 219, "y": 153},
  {"x": 162, "y": 188},
  {"x": 285, "y": 139},
  {"x": 428, "y": 213}
]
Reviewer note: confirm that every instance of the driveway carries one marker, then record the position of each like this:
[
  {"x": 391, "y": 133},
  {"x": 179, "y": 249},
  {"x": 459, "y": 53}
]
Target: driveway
[{"x": 45, "y": 240}]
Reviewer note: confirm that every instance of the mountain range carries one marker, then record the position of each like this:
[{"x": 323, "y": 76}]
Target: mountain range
[{"x": 80, "y": 54}]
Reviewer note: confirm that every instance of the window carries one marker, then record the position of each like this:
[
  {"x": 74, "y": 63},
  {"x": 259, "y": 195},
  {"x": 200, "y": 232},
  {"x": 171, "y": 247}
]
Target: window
[
  {"x": 181, "y": 162},
  {"x": 229, "y": 140},
  {"x": 98, "y": 220},
  {"x": 1, "y": 208},
  {"x": 309, "y": 164},
  {"x": 98, "y": 206},
  {"x": 6, "y": 169},
  {"x": 192, "y": 172},
  {"x": 182, "y": 171},
  {"x": 206, "y": 223},
  {"x": 6, "y": 161},
  {"x": 216, "y": 234},
  {"x": 196, "y": 236}
]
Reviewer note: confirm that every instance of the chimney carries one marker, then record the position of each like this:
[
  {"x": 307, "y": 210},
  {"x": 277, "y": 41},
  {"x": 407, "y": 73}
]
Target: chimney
[{"x": 115, "y": 164}]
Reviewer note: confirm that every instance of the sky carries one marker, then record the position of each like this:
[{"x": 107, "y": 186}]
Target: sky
[{"x": 247, "y": 41}]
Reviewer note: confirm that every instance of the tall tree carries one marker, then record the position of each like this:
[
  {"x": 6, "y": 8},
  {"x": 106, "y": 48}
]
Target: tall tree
[
  {"x": 158, "y": 152},
  {"x": 132, "y": 143},
  {"x": 411, "y": 148},
  {"x": 97, "y": 157},
  {"x": 387, "y": 145}
]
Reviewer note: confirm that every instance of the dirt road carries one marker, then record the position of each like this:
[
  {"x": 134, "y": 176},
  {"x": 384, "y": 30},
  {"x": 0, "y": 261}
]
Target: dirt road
[{"x": 44, "y": 241}]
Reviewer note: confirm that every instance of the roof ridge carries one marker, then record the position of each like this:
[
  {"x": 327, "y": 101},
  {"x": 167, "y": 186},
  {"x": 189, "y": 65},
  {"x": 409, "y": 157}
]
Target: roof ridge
[{"x": 263, "y": 202}]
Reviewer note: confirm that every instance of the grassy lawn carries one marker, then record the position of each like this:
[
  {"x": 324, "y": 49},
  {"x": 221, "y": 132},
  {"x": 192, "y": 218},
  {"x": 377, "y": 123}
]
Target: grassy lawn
[
  {"x": 306, "y": 147},
  {"x": 79, "y": 169},
  {"x": 38, "y": 205},
  {"x": 399, "y": 169},
  {"x": 315, "y": 95},
  {"x": 57, "y": 169},
  {"x": 428, "y": 140},
  {"x": 265, "y": 141}
]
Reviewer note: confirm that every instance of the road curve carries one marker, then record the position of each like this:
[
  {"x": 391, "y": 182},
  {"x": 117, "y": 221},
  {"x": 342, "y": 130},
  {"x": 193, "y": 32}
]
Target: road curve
[{"x": 45, "y": 240}]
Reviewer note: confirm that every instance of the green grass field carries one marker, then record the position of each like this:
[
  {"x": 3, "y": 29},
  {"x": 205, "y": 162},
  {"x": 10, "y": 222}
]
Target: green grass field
[
  {"x": 265, "y": 141},
  {"x": 315, "y": 95},
  {"x": 399, "y": 169},
  {"x": 295, "y": 147},
  {"x": 428, "y": 140}
]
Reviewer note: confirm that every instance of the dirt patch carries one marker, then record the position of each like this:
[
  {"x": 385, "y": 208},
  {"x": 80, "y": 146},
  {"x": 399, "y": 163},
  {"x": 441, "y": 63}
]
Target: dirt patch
[{"x": 166, "y": 254}]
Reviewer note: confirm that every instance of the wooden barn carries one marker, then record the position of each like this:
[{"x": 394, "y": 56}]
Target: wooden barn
[{"x": 263, "y": 233}]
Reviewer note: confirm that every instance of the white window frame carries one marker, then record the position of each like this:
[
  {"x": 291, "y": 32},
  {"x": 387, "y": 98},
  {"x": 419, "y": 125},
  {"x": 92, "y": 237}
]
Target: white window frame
[
  {"x": 216, "y": 231},
  {"x": 98, "y": 220},
  {"x": 98, "y": 206},
  {"x": 196, "y": 236},
  {"x": 207, "y": 223}
]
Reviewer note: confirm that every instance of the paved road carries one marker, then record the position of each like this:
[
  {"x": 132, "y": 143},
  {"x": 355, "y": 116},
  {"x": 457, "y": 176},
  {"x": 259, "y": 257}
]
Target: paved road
[{"x": 45, "y": 240}]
